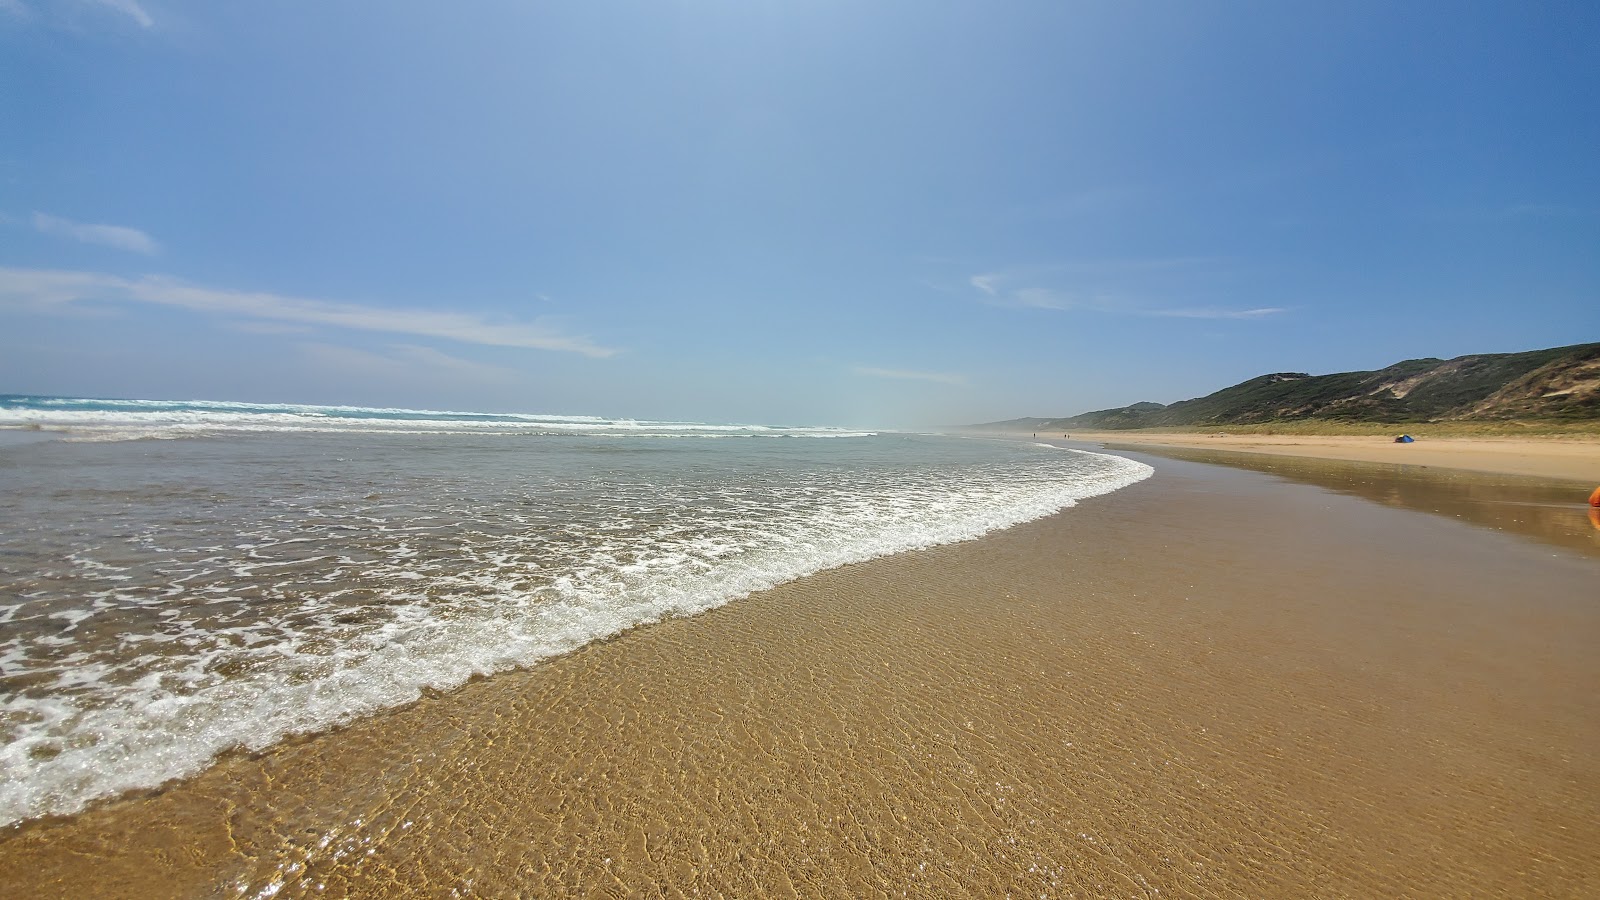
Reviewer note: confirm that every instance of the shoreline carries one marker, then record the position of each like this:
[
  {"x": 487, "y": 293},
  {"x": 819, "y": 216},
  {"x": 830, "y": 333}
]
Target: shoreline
[{"x": 1213, "y": 681}]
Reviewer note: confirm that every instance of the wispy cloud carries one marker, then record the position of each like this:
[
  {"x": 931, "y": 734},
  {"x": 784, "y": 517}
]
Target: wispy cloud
[
  {"x": 106, "y": 235},
  {"x": 131, "y": 9},
  {"x": 1112, "y": 287},
  {"x": 41, "y": 289},
  {"x": 66, "y": 14},
  {"x": 908, "y": 375},
  {"x": 1212, "y": 313},
  {"x": 1043, "y": 298}
]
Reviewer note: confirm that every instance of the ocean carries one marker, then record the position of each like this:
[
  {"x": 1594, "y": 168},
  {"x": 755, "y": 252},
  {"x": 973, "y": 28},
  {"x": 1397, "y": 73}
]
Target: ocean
[{"x": 178, "y": 579}]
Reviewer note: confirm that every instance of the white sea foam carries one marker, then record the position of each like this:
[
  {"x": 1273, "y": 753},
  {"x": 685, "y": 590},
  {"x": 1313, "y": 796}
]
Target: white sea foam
[
  {"x": 119, "y": 420},
  {"x": 331, "y": 609}
]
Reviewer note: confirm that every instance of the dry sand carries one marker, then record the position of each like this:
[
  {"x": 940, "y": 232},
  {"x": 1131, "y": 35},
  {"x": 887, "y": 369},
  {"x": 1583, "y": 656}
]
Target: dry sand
[
  {"x": 1573, "y": 458},
  {"x": 1215, "y": 683}
]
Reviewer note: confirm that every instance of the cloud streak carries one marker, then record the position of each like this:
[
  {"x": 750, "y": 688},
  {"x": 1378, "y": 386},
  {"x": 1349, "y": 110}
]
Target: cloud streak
[
  {"x": 1211, "y": 313},
  {"x": 43, "y": 289},
  {"x": 1107, "y": 288},
  {"x": 117, "y": 236},
  {"x": 908, "y": 375},
  {"x": 131, "y": 9}
]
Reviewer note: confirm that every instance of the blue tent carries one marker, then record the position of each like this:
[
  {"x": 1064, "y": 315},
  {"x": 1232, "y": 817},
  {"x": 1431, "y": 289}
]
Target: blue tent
[{"x": 1405, "y": 439}]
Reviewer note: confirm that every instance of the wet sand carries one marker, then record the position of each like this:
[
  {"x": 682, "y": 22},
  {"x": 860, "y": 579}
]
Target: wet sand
[
  {"x": 1552, "y": 510},
  {"x": 1215, "y": 683}
]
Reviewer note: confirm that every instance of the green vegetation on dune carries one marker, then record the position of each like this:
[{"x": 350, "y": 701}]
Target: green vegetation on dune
[{"x": 1543, "y": 391}]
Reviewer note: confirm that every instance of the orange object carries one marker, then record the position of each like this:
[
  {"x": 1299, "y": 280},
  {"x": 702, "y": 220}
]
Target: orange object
[
  {"x": 1594, "y": 498},
  {"x": 1594, "y": 517}
]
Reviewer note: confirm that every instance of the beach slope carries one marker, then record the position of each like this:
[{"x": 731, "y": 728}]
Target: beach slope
[{"x": 1216, "y": 682}]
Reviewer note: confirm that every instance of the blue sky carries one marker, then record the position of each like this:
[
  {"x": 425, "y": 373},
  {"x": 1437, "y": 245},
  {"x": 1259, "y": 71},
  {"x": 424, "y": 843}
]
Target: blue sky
[{"x": 855, "y": 213}]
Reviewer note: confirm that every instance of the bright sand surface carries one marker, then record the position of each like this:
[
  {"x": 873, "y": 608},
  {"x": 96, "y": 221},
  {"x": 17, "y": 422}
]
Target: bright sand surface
[
  {"x": 1576, "y": 458},
  {"x": 1215, "y": 683}
]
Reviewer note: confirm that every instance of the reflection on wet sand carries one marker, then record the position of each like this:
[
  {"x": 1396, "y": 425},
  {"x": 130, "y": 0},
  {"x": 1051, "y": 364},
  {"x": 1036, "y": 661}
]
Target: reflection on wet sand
[{"x": 1548, "y": 510}]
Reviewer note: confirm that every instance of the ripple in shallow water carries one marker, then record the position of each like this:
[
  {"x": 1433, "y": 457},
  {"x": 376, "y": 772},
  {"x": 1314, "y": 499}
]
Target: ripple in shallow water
[{"x": 176, "y": 599}]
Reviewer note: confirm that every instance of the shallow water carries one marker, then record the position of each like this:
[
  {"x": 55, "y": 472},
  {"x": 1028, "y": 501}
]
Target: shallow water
[{"x": 162, "y": 601}]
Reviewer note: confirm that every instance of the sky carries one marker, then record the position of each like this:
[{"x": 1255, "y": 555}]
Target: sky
[{"x": 906, "y": 213}]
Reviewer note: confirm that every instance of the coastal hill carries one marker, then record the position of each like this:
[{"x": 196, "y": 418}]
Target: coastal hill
[{"x": 1559, "y": 384}]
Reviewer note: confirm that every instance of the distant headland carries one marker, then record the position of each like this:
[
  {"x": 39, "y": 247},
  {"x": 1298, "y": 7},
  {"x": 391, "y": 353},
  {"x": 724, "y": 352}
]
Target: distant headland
[{"x": 1558, "y": 387}]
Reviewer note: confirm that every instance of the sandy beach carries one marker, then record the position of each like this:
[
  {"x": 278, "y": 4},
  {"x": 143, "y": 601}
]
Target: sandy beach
[
  {"x": 1215, "y": 683},
  {"x": 1567, "y": 457},
  {"x": 523, "y": 450}
]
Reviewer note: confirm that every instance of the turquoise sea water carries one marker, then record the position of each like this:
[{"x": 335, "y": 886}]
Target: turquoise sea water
[{"x": 177, "y": 579}]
